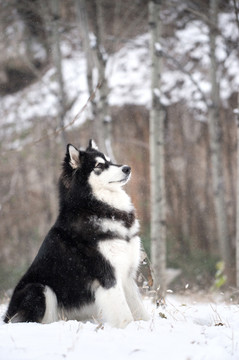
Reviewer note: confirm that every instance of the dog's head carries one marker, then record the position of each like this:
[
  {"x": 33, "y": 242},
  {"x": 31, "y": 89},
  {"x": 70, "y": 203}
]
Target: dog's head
[{"x": 92, "y": 167}]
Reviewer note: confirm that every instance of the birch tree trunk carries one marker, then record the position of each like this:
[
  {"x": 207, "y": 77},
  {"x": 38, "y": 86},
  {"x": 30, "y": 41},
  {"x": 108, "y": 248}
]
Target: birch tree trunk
[
  {"x": 237, "y": 180},
  {"x": 84, "y": 29},
  {"x": 104, "y": 120},
  {"x": 156, "y": 140},
  {"x": 237, "y": 214},
  {"x": 57, "y": 59},
  {"x": 215, "y": 148}
]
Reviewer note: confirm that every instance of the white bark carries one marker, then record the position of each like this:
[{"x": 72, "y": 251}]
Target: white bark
[
  {"x": 158, "y": 223},
  {"x": 104, "y": 120},
  {"x": 237, "y": 180},
  {"x": 57, "y": 59},
  {"x": 215, "y": 147},
  {"x": 84, "y": 29},
  {"x": 237, "y": 214}
]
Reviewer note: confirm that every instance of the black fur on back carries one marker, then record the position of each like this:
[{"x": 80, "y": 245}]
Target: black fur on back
[{"x": 68, "y": 260}]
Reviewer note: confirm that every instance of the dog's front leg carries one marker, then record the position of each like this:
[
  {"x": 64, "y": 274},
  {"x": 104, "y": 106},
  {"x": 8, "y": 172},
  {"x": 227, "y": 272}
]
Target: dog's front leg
[
  {"x": 112, "y": 306},
  {"x": 134, "y": 300}
]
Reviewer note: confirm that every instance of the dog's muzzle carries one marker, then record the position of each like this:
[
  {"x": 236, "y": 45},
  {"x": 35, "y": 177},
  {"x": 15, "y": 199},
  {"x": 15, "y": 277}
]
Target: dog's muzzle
[{"x": 127, "y": 172}]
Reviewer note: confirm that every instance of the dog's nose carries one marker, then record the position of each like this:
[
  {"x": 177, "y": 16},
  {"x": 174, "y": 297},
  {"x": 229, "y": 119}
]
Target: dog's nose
[{"x": 126, "y": 169}]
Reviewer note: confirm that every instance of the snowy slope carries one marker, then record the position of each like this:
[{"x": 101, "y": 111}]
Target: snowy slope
[
  {"x": 185, "y": 331},
  {"x": 185, "y": 76}
]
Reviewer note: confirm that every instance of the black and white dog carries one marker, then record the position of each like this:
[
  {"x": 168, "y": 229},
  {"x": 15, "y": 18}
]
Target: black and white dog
[{"x": 87, "y": 264}]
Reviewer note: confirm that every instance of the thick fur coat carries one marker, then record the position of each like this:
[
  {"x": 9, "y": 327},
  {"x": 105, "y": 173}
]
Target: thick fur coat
[{"x": 86, "y": 266}]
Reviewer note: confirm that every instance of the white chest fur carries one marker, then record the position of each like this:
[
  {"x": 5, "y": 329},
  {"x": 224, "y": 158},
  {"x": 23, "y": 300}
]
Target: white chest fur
[
  {"x": 119, "y": 228},
  {"x": 123, "y": 255},
  {"x": 117, "y": 198},
  {"x": 121, "y": 304}
]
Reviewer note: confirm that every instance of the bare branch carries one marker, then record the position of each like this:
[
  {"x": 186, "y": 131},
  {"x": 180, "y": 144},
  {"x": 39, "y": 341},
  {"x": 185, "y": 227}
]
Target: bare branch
[
  {"x": 181, "y": 68},
  {"x": 59, "y": 130}
]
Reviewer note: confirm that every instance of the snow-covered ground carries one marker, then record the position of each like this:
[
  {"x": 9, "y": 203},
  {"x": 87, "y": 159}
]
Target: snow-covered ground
[{"x": 183, "y": 329}]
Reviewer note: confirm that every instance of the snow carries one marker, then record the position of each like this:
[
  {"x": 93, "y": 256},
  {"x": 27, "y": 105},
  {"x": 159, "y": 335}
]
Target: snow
[
  {"x": 185, "y": 76},
  {"x": 158, "y": 47},
  {"x": 181, "y": 329}
]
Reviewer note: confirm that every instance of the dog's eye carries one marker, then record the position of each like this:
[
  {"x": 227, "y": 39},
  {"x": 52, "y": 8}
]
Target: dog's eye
[{"x": 99, "y": 166}]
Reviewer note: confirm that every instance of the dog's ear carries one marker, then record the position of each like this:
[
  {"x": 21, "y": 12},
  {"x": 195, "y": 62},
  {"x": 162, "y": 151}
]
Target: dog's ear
[
  {"x": 73, "y": 156},
  {"x": 92, "y": 145}
]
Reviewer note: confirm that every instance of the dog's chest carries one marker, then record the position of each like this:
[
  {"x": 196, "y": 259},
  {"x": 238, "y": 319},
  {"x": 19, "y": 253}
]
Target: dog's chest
[{"x": 123, "y": 251}]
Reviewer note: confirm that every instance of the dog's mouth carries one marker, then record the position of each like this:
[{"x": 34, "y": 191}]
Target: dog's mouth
[{"x": 122, "y": 181}]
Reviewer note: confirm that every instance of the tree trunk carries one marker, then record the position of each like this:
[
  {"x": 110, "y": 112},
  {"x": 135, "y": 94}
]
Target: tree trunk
[
  {"x": 104, "y": 120},
  {"x": 157, "y": 185},
  {"x": 237, "y": 213},
  {"x": 57, "y": 59},
  {"x": 237, "y": 180},
  {"x": 84, "y": 29},
  {"x": 215, "y": 148}
]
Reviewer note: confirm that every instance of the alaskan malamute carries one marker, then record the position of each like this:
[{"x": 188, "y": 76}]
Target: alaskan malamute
[{"x": 86, "y": 267}]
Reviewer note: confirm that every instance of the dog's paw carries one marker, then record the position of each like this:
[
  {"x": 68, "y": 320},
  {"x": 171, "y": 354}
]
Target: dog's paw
[
  {"x": 141, "y": 314},
  {"x": 144, "y": 316},
  {"x": 122, "y": 321}
]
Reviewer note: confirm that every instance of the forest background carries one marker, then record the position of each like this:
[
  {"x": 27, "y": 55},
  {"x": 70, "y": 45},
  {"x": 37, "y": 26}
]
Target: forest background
[{"x": 54, "y": 55}]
